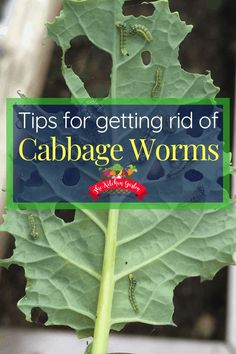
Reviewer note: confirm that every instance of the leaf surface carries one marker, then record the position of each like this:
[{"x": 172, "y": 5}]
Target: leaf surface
[
  {"x": 130, "y": 77},
  {"x": 159, "y": 247}
]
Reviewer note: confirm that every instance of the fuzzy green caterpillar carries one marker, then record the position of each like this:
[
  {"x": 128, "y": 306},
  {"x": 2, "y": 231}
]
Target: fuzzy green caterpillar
[
  {"x": 32, "y": 225},
  {"x": 132, "y": 287},
  {"x": 123, "y": 37},
  {"x": 158, "y": 83},
  {"x": 141, "y": 31}
]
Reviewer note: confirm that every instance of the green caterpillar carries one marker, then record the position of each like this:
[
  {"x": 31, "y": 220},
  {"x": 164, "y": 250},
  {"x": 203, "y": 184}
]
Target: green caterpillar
[
  {"x": 141, "y": 31},
  {"x": 132, "y": 287},
  {"x": 123, "y": 37},
  {"x": 158, "y": 83},
  {"x": 199, "y": 195},
  {"x": 33, "y": 230}
]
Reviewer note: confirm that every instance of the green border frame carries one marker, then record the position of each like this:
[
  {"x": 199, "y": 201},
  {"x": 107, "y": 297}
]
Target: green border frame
[{"x": 225, "y": 102}]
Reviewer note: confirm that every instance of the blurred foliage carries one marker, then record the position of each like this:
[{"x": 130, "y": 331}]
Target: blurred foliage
[{"x": 214, "y": 4}]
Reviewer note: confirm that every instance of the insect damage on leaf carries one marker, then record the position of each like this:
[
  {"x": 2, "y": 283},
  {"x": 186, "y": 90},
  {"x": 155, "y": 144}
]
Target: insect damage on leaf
[{"x": 65, "y": 269}]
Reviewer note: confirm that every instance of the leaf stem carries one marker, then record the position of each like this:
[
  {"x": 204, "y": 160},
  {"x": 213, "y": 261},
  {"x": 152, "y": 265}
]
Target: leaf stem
[{"x": 105, "y": 298}]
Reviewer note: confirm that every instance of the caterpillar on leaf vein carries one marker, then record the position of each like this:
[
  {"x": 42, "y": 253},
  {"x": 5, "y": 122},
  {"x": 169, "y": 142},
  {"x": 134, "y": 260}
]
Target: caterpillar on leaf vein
[
  {"x": 123, "y": 37},
  {"x": 33, "y": 229},
  {"x": 132, "y": 287},
  {"x": 158, "y": 83}
]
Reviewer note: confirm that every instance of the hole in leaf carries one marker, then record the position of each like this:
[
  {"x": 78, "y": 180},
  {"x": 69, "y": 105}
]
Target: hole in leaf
[
  {"x": 35, "y": 180},
  {"x": 91, "y": 64},
  {"x": 38, "y": 316},
  {"x": 156, "y": 171},
  {"x": 138, "y": 8},
  {"x": 9, "y": 240},
  {"x": 193, "y": 175},
  {"x": 220, "y": 136},
  {"x": 220, "y": 181},
  {"x": 66, "y": 215},
  {"x": 196, "y": 132},
  {"x": 146, "y": 57},
  {"x": 71, "y": 176}
]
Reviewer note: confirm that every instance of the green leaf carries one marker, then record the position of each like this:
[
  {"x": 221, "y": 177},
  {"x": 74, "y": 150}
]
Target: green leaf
[
  {"x": 232, "y": 169},
  {"x": 130, "y": 77},
  {"x": 62, "y": 267},
  {"x": 79, "y": 270},
  {"x": 161, "y": 248}
]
